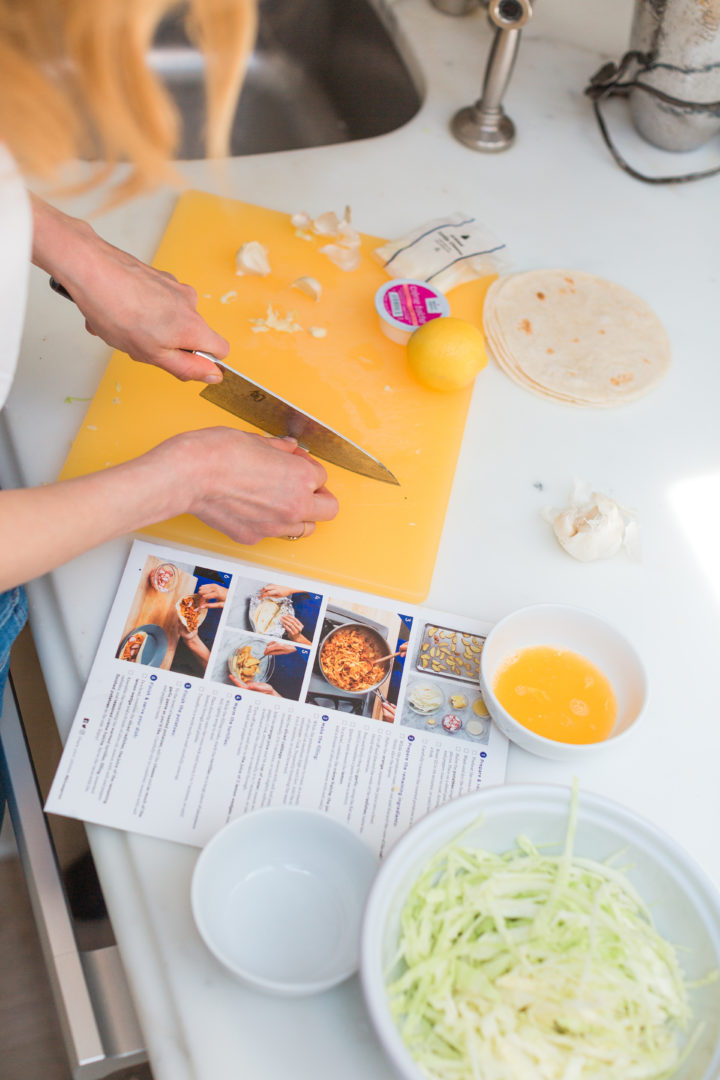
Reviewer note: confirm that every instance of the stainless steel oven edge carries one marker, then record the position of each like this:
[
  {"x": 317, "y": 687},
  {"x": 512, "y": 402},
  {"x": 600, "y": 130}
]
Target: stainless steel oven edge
[{"x": 98, "y": 1020}]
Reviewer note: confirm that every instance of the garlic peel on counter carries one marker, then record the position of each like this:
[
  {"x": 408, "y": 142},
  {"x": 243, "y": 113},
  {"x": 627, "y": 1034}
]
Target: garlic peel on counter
[
  {"x": 344, "y": 251},
  {"x": 252, "y": 258},
  {"x": 593, "y": 526}
]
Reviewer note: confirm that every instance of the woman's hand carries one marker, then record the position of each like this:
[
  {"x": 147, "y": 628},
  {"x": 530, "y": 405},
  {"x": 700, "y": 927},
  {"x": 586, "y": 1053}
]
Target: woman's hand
[
  {"x": 275, "y": 591},
  {"x": 294, "y": 629},
  {"x": 262, "y": 688},
  {"x": 247, "y": 486},
  {"x": 278, "y": 648},
  {"x": 212, "y": 595},
  {"x": 146, "y": 313}
]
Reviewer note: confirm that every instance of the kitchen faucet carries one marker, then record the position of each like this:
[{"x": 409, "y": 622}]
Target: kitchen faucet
[{"x": 484, "y": 125}]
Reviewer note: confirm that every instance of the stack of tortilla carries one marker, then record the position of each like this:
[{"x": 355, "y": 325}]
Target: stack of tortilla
[{"x": 575, "y": 338}]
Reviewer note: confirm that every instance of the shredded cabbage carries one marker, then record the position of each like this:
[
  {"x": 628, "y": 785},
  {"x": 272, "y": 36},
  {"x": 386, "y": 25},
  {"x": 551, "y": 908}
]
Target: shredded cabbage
[{"x": 530, "y": 966}]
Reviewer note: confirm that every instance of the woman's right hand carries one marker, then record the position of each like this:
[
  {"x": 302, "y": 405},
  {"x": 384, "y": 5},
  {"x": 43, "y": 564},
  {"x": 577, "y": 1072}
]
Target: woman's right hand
[{"x": 247, "y": 486}]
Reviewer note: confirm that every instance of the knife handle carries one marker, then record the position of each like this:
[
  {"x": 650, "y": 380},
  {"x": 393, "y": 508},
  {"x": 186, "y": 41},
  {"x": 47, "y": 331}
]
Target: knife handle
[
  {"x": 59, "y": 289},
  {"x": 207, "y": 356}
]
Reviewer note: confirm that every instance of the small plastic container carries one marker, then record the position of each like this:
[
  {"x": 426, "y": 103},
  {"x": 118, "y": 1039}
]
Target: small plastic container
[{"x": 404, "y": 304}]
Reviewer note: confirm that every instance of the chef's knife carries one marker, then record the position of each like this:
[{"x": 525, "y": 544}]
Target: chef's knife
[{"x": 254, "y": 403}]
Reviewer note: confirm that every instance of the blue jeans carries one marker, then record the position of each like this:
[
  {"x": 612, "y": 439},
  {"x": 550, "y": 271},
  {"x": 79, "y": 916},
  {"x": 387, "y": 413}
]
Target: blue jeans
[{"x": 13, "y": 613}]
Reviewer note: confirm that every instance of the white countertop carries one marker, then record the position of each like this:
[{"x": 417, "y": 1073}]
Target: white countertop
[{"x": 557, "y": 199}]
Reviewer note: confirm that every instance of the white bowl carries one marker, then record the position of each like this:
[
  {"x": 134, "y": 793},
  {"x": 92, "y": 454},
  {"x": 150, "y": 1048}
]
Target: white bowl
[
  {"x": 583, "y": 632},
  {"x": 277, "y": 896},
  {"x": 684, "y": 903}
]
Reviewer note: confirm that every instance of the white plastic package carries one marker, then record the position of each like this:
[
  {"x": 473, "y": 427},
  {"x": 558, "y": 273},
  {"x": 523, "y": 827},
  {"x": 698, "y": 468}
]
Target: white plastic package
[{"x": 446, "y": 252}]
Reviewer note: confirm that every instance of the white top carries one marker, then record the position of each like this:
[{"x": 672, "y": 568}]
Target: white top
[{"x": 15, "y": 246}]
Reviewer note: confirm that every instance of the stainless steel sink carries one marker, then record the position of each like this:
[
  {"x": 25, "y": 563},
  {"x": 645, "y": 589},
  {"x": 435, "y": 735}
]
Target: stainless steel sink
[{"x": 321, "y": 72}]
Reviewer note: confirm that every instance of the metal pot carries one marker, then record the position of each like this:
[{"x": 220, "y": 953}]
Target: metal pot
[{"x": 370, "y": 633}]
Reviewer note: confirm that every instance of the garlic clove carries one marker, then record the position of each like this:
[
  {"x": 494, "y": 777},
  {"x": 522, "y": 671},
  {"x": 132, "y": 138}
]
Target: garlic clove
[
  {"x": 252, "y": 258},
  {"x": 310, "y": 286},
  {"x": 593, "y": 527}
]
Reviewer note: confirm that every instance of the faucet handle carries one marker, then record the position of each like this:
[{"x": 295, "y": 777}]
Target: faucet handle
[
  {"x": 510, "y": 14},
  {"x": 484, "y": 125}
]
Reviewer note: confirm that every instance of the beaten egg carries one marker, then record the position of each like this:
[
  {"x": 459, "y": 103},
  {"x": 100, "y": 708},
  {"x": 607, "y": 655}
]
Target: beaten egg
[{"x": 558, "y": 694}]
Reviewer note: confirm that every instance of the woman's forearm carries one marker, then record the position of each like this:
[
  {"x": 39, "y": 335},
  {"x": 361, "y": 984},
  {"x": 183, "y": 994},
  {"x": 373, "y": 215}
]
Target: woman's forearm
[
  {"x": 41, "y": 528},
  {"x": 60, "y": 242}
]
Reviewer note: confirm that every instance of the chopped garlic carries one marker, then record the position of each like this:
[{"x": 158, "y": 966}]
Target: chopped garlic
[
  {"x": 228, "y": 296},
  {"x": 594, "y": 526},
  {"x": 308, "y": 285},
  {"x": 251, "y": 258},
  {"x": 275, "y": 321},
  {"x": 317, "y": 331}
]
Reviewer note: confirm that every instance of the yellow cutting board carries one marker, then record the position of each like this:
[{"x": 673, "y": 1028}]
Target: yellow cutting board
[{"x": 385, "y": 538}]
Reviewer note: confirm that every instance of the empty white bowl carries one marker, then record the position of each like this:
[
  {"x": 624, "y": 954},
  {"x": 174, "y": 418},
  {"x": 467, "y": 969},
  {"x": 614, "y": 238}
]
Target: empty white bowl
[
  {"x": 277, "y": 896},
  {"x": 684, "y": 903},
  {"x": 565, "y": 627}
]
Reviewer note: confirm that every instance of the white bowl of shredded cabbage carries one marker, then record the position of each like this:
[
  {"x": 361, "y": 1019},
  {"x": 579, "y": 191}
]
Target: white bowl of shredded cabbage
[{"x": 531, "y": 932}]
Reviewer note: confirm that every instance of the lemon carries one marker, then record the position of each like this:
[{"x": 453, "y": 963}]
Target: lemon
[{"x": 446, "y": 353}]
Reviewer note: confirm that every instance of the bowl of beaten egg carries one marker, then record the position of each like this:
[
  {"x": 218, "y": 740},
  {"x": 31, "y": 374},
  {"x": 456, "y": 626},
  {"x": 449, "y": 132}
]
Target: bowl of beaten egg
[{"x": 561, "y": 682}]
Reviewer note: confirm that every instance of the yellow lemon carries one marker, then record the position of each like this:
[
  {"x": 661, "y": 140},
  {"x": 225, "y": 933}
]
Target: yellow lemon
[{"x": 446, "y": 353}]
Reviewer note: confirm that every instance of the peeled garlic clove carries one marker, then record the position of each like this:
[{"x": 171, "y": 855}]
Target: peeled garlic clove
[
  {"x": 308, "y": 285},
  {"x": 590, "y": 533},
  {"x": 252, "y": 258},
  {"x": 345, "y": 258}
]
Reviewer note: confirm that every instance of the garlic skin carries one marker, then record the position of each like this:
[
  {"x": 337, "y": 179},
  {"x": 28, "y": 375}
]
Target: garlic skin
[
  {"x": 346, "y": 258},
  {"x": 593, "y": 527},
  {"x": 252, "y": 258},
  {"x": 344, "y": 252}
]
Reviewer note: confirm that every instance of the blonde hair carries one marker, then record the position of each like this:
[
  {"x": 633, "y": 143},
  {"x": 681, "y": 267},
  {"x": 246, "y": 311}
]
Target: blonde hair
[{"x": 74, "y": 82}]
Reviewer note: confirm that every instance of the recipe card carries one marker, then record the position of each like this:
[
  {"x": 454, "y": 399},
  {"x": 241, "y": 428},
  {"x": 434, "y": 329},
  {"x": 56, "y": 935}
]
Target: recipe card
[{"x": 219, "y": 687}]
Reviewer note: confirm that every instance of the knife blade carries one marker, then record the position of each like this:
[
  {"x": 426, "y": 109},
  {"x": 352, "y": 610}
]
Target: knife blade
[{"x": 250, "y": 401}]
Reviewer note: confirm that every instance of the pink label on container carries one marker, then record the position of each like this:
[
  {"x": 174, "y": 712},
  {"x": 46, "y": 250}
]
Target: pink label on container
[{"x": 412, "y": 304}]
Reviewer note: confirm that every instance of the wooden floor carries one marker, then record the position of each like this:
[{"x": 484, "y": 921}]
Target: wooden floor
[
  {"x": 31, "y": 1046},
  {"x": 30, "y": 1041}
]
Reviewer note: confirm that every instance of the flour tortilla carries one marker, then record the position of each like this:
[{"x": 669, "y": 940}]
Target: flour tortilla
[{"x": 575, "y": 338}]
